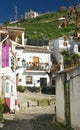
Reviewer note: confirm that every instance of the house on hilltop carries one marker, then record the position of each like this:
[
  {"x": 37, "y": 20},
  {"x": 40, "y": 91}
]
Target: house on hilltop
[
  {"x": 30, "y": 14},
  {"x": 62, "y": 43}
]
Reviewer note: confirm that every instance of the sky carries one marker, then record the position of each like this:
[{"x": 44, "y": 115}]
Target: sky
[{"x": 7, "y": 7}]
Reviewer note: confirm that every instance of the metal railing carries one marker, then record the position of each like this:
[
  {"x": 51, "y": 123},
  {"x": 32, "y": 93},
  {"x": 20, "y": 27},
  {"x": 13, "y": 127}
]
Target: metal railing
[{"x": 40, "y": 66}]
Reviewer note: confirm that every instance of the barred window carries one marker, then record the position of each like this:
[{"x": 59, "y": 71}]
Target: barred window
[{"x": 28, "y": 79}]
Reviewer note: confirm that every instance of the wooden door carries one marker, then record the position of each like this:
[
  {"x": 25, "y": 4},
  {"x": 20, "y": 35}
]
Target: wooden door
[{"x": 36, "y": 61}]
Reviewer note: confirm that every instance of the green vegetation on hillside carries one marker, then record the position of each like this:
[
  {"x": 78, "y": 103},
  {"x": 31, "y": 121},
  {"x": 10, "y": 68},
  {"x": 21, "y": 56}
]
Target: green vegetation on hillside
[{"x": 48, "y": 26}]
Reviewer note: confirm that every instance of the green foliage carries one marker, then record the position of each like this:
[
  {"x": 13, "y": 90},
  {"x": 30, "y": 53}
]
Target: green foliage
[
  {"x": 25, "y": 88},
  {"x": 70, "y": 58},
  {"x": 33, "y": 89},
  {"x": 48, "y": 90},
  {"x": 21, "y": 88},
  {"x": 1, "y": 109},
  {"x": 45, "y": 26}
]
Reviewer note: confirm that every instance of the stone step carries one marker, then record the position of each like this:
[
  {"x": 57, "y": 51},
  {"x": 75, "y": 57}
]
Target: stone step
[{"x": 8, "y": 116}]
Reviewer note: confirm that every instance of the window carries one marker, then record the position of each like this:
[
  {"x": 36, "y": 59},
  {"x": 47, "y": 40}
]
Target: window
[
  {"x": 65, "y": 43},
  {"x": 20, "y": 80},
  {"x": 7, "y": 87},
  {"x": 18, "y": 59},
  {"x": 12, "y": 63},
  {"x": 28, "y": 79}
]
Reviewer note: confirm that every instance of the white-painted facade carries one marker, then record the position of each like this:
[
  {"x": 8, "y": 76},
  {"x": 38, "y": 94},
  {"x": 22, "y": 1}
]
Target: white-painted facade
[
  {"x": 9, "y": 37},
  {"x": 75, "y": 46},
  {"x": 73, "y": 78},
  {"x": 33, "y": 55},
  {"x": 61, "y": 44},
  {"x": 8, "y": 83}
]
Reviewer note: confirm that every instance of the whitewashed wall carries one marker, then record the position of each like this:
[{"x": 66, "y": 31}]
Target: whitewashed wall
[
  {"x": 60, "y": 110},
  {"x": 74, "y": 77},
  {"x": 28, "y": 56},
  {"x": 75, "y": 98},
  {"x": 35, "y": 77},
  {"x": 58, "y": 44}
]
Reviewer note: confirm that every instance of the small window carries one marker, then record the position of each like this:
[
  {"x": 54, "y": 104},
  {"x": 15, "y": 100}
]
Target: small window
[
  {"x": 18, "y": 59},
  {"x": 65, "y": 43},
  {"x": 20, "y": 80},
  {"x": 28, "y": 79},
  {"x": 7, "y": 87},
  {"x": 38, "y": 81}
]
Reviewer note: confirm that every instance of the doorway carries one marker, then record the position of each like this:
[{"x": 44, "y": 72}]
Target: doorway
[{"x": 43, "y": 82}]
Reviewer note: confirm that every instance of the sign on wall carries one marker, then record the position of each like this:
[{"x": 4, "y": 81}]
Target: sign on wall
[{"x": 5, "y": 55}]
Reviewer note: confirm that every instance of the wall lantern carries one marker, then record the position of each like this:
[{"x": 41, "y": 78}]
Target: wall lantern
[{"x": 23, "y": 62}]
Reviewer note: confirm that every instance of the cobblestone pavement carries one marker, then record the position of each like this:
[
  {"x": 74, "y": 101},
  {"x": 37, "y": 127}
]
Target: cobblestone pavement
[
  {"x": 22, "y": 119},
  {"x": 21, "y": 123}
]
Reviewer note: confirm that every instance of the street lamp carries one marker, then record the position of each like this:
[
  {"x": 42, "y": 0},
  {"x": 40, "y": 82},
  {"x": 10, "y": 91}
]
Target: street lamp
[{"x": 23, "y": 62}]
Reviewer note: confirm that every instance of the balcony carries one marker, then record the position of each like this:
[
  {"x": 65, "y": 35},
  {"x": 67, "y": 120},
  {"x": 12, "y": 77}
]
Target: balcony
[
  {"x": 40, "y": 67},
  {"x": 36, "y": 66},
  {"x": 33, "y": 66}
]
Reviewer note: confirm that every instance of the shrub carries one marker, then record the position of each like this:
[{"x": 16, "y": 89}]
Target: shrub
[
  {"x": 34, "y": 89},
  {"x": 1, "y": 109},
  {"x": 48, "y": 90},
  {"x": 21, "y": 88}
]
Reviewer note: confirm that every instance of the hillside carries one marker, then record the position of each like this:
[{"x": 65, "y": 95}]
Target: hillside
[{"x": 49, "y": 25}]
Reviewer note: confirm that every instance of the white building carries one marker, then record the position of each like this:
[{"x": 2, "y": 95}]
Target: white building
[
  {"x": 75, "y": 46},
  {"x": 31, "y": 14},
  {"x": 61, "y": 44},
  {"x": 7, "y": 74},
  {"x": 33, "y": 63},
  {"x": 8, "y": 36}
]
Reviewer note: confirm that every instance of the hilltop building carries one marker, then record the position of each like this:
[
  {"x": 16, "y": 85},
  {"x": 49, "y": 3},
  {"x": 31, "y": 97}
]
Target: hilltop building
[
  {"x": 30, "y": 14},
  {"x": 62, "y": 43}
]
